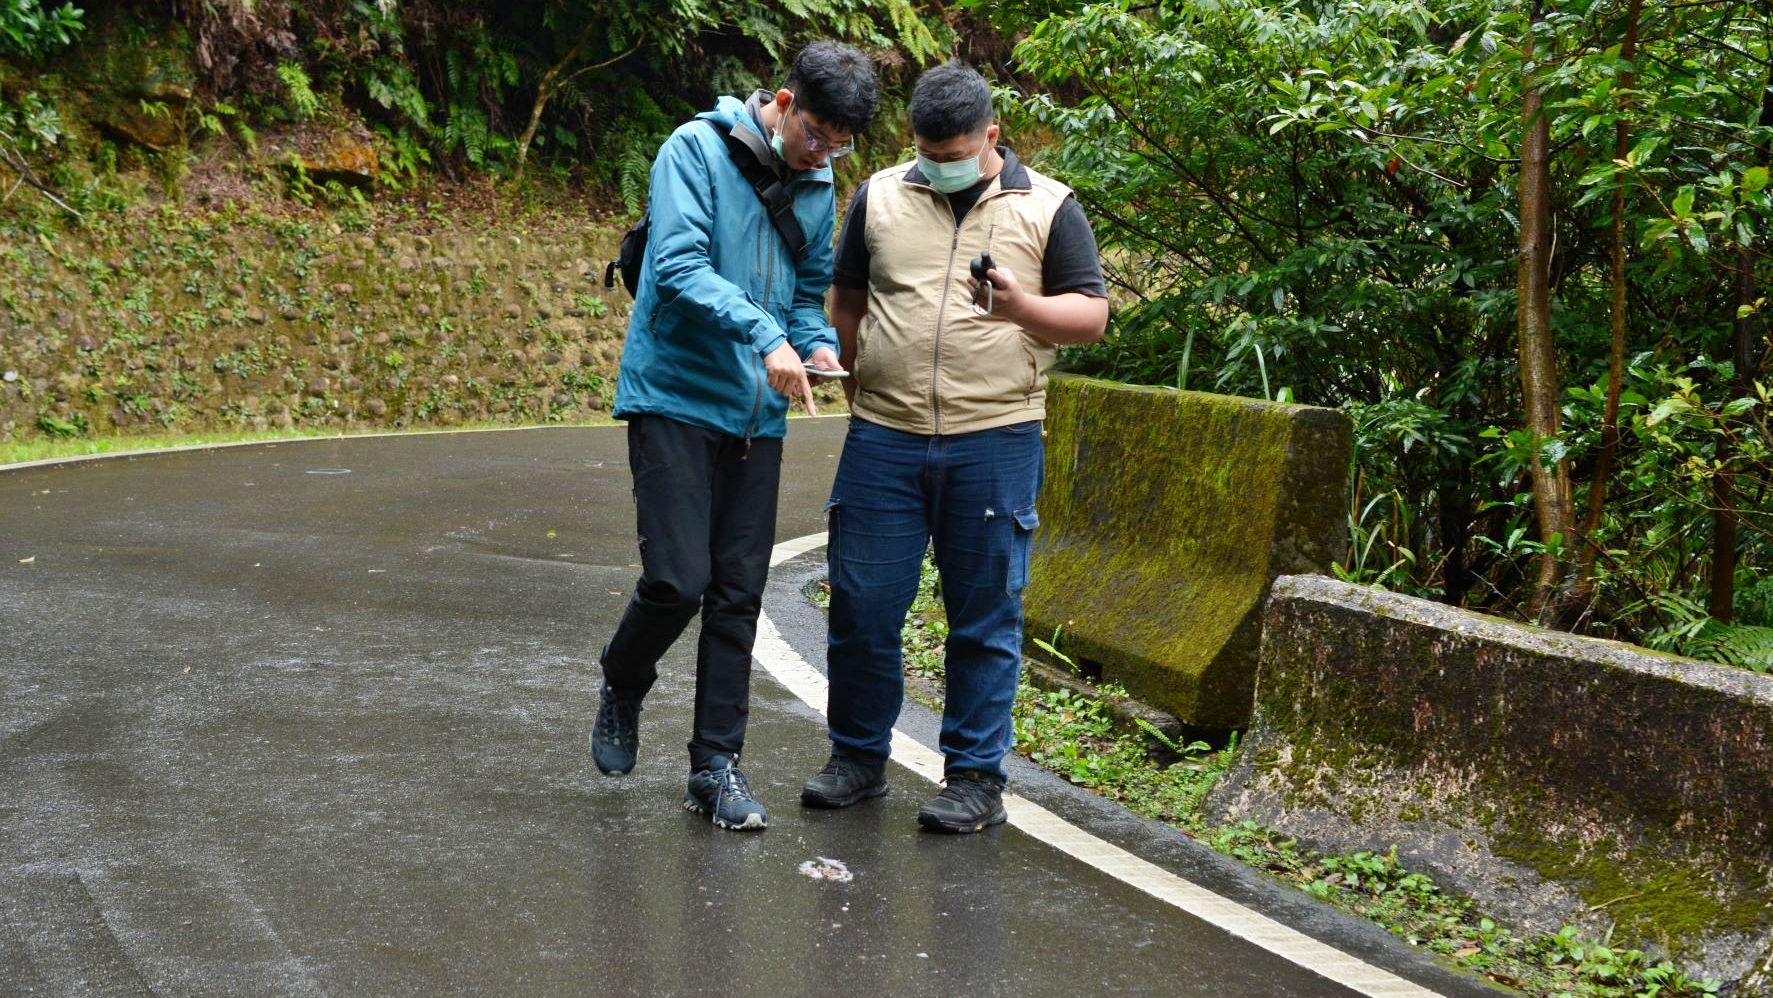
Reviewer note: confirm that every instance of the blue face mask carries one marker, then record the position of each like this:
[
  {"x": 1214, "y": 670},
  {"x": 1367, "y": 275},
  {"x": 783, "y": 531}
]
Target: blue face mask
[{"x": 951, "y": 177}]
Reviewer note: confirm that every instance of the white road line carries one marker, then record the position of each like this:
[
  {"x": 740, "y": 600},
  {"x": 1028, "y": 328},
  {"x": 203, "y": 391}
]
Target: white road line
[{"x": 791, "y": 670}]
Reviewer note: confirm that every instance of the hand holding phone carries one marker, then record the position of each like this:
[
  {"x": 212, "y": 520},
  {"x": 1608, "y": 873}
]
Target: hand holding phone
[{"x": 981, "y": 266}]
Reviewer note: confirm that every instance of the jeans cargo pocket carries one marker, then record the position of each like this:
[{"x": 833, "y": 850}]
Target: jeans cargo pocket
[
  {"x": 1022, "y": 527},
  {"x": 832, "y": 533}
]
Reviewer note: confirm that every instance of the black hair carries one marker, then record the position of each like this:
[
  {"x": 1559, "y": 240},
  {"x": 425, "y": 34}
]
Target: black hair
[
  {"x": 950, "y": 99},
  {"x": 836, "y": 84}
]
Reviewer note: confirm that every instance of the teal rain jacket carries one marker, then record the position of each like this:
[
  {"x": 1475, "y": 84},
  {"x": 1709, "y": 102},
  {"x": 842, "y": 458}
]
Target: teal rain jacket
[{"x": 718, "y": 289}]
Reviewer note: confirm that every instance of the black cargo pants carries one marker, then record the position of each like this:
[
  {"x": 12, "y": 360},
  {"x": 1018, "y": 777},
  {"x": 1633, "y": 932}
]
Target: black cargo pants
[{"x": 705, "y": 512}]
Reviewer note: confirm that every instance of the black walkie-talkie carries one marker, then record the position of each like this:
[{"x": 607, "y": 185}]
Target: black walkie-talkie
[{"x": 982, "y": 265}]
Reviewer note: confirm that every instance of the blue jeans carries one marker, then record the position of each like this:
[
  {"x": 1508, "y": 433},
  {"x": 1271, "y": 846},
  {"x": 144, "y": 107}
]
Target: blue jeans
[{"x": 973, "y": 495}]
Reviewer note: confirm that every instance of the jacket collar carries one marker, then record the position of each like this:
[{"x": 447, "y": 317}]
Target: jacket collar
[
  {"x": 733, "y": 114},
  {"x": 1013, "y": 176}
]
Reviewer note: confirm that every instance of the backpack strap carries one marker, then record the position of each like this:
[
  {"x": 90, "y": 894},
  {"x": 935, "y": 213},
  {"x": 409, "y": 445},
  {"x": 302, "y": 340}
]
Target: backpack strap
[{"x": 756, "y": 164}]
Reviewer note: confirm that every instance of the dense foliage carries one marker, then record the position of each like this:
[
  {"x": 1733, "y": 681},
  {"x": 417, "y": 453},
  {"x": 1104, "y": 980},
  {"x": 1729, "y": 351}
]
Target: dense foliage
[
  {"x": 1323, "y": 200},
  {"x": 489, "y": 85},
  {"x": 586, "y": 90}
]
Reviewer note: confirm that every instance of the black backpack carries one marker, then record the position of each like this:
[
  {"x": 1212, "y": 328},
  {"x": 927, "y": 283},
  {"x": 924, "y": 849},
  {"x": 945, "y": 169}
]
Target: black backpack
[{"x": 757, "y": 164}]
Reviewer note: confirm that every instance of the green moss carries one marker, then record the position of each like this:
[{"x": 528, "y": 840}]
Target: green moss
[
  {"x": 1160, "y": 574},
  {"x": 164, "y": 323},
  {"x": 1653, "y": 894}
]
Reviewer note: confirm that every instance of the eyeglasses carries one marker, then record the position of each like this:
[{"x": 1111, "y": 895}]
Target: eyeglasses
[{"x": 816, "y": 143}]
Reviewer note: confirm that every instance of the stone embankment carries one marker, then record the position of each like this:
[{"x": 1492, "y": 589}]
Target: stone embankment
[
  {"x": 1557, "y": 779},
  {"x": 258, "y": 322}
]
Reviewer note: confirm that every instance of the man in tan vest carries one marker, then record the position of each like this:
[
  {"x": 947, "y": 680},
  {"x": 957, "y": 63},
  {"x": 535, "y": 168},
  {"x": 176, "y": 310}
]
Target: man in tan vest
[{"x": 948, "y": 394}]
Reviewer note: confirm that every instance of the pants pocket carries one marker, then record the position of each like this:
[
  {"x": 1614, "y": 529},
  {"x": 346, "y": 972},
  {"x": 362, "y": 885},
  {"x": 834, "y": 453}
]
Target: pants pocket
[
  {"x": 833, "y": 536},
  {"x": 1022, "y": 526}
]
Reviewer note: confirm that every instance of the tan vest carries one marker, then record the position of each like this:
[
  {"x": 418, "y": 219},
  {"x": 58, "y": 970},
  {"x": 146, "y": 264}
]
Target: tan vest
[{"x": 924, "y": 362}]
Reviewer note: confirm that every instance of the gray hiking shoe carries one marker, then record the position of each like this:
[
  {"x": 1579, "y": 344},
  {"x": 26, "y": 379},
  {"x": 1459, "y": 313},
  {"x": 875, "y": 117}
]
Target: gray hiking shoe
[
  {"x": 615, "y": 736},
  {"x": 722, "y": 792}
]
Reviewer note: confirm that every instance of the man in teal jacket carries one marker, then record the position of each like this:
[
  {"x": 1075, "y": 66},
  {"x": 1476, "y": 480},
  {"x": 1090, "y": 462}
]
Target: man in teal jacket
[{"x": 727, "y": 324}]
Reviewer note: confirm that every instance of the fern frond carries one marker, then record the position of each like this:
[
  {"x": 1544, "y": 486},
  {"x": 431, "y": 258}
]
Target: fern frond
[{"x": 1747, "y": 646}]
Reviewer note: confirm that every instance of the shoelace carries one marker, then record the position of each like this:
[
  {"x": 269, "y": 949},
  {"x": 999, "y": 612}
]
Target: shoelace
[
  {"x": 618, "y": 722},
  {"x": 840, "y": 767},
  {"x": 969, "y": 790},
  {"x": 732, "y": 784}
]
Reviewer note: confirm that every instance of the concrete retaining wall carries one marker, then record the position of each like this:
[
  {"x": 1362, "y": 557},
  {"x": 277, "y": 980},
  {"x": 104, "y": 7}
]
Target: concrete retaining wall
[
  {"x": 1164, "y": 518},
  {"x": 1557, "y": 779}
]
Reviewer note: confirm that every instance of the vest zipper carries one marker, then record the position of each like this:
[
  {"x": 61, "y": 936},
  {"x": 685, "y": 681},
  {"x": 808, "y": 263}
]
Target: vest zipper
[
  {"x": 947, "y": 286},
  {"x": 941, "y": 313}
]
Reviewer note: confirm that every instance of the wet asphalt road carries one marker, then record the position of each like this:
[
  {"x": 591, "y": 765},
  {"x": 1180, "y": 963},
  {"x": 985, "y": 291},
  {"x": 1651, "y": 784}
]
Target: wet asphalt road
[{"x": 310, "y": 719}]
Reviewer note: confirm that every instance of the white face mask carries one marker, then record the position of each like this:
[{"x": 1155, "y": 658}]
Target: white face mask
[{"x": 955, "y": 176}]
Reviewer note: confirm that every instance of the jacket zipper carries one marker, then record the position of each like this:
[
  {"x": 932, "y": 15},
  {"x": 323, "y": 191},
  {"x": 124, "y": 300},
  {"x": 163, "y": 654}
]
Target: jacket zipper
[
  {"x": 756, "y": 406},
  {"x": 769, "y": 274}
]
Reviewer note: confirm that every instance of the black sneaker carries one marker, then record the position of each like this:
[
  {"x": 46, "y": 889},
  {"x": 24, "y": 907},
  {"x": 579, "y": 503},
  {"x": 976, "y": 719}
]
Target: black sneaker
[
  {"x": 971, "y": 802},
  {"x": 844, "y": 782},
  {"x": 615, "y": 738},
  {"x": 721, "y": 792}
]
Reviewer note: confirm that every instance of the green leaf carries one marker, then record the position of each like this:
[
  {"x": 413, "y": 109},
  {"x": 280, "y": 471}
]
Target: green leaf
[
  {"x": 1754, "y": 180},
  {"x": 1666, "y": 408}
]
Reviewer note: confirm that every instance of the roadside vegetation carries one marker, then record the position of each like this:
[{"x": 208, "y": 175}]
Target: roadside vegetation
[
  {"x": 1079, "y": 737},
  {"x": 1523, "y": 245}
]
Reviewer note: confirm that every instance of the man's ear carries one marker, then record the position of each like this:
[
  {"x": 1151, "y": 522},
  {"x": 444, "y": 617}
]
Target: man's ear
[
  {"x": 991, "y": 134},
  {"x": 784, "y": 97}
]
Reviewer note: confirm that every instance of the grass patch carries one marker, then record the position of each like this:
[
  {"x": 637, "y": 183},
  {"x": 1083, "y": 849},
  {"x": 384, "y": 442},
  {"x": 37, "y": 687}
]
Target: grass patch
[
  {"x": 1376, "y": 887},
  {"x": 51, "y": 448},
  {"x": 1075, "y": 735}
]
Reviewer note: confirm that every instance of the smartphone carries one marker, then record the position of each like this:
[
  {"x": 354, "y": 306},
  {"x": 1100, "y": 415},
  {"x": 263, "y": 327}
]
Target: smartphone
[{"x": 826, "y": 372}]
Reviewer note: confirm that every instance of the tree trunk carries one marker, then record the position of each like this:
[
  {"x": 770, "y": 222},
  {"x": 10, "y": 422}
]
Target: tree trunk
[
  {"x": 1724, "y": 527},
  {"x": 1538, "y": 354},
  {"x": 1580, "y": 595},
  {"x": 545, "y": 89}
]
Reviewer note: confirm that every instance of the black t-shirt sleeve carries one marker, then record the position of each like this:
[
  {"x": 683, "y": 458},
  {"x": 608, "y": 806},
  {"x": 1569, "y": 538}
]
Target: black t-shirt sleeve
[
  {"x": 851, "y": 268},
  {"x": 1071, "y": 264}
]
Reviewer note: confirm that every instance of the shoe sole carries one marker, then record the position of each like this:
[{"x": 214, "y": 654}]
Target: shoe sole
[
  {"x": 600, "y": 766},
  {"x": 813, "y": 799},
  {"x": 752, "y": 822},
  {"x": 931, "y": 823}
]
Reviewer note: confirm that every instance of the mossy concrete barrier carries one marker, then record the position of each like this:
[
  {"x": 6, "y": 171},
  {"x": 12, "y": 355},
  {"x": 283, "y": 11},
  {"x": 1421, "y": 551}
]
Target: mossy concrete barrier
[
  {"x": 1557, "y": 779},
  {"x": 1164, "y": 518}
]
